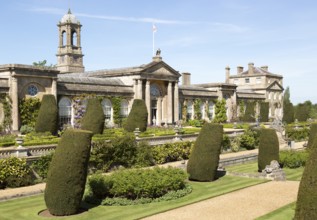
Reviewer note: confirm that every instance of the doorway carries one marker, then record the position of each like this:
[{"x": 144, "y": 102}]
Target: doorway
[{"x": 153, "y": 112}]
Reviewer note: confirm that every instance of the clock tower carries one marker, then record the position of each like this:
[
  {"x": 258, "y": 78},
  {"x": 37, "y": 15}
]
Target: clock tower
[{"x": 69, "y": 54}]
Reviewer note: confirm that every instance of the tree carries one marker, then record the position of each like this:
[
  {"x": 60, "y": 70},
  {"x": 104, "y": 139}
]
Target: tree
[
  {"x": 288, "y": 114},
  {"x": 268, "y": 148},
  {"x": 220, "y": 111},
  {"x": 67, "y": 173},
  {"x": 312, "y": 134},
  {"x": 264, "y": 111},
  {"x": 204, "y": 158},
  {"x": 94, "y": 118},
  {"x": 306, "y": 205},
  {"x": 137, "y": 117},
  {"x": 302, "y": 111},
  {"x": 47, "y": 119}
]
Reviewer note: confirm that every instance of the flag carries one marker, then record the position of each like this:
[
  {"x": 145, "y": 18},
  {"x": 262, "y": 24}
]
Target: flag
[{"x": 154, "y": 29}]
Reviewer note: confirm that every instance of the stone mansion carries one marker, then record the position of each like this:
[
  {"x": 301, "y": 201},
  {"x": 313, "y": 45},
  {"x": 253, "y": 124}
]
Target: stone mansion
[{"x": 156, "y": 83}]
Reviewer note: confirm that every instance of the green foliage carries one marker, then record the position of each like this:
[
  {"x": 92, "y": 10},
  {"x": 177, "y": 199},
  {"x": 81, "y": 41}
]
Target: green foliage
[
  {"x": 137, "y": 183},
  {"x": 184, "y": 111},
  {"x": 14, "y": 172},
  {"x": 220, "y": 111},
  {"x": 299, "y": 134},
  {"x": 241, "y": 109},
  {"x": 249, "y": 115},
  {"x": 235, "y": 144},
  {"x": 248, "y": 139},
  {"x": 170, "y": 152},
  {"x": 312, "y": 134},
  {"x": 197, "y": 112},
  {"x": 226, "y": 143},
  {"x": 41, "y": 165},
  {"x": 116, "y": 106},
  {"x": 293, "y": 159},
  {"x": 144, "y": 155},
  {"x": 67, "y": 173},
  {"x": 25, "y": 129},
  {"x": 137, "y": 117},
  {"x": 196, "y": 123},
  {"x": 7, "y": 140},
  {"x": 29, "y": 110},
  {"x": 264, "y": 111},
  {"x": 204, "y": 158},
  {"x": 306, "y": 205},
  {"x": 94, "y": 118},
  {"x": 47, "y": 120},
  {"x": 7, "y": 111},
  {"x": 302, "y": 111},
  {"x": 268, "y": 149},
  {"x": 288, "y": 112},
  {"x": 34, "y": 138}
]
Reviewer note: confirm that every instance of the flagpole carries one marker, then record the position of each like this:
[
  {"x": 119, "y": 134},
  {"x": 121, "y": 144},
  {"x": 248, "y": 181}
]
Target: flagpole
[{"x": 153, "y": 32}]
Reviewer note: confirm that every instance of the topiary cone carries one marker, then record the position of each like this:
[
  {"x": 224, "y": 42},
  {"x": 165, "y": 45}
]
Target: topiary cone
[
  {"x": 48, "y": 115},
  {"x": 67, "y": 174},
  {"x": 94, "y": 118},
  {"x": 268, "y": 148},
  {"x": 312, "y": 134},
  {"x": 204, "y": 158},
  {"x": 137, "y": 117}
]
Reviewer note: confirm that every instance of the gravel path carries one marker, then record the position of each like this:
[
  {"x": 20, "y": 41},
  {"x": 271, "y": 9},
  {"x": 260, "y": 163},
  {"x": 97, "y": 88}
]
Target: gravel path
[{"x": 248, "y": 203}]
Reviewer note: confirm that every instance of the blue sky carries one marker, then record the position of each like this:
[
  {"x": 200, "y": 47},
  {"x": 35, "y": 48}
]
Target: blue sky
[{"x": 197, "y": 36}]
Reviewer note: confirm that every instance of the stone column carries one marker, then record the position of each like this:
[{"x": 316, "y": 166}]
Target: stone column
[
  {"x": 176, "y": 102},
  {"x": 159, "y": 112},
  {"x": 135, "y": 88},
  {"x": 54, "y": 87},
  {"x": 169, "y": 103},
  {"x": 148, "y": 101},
  {"x": 140, "y": 89},
  {"x": 15, "y": 103}
]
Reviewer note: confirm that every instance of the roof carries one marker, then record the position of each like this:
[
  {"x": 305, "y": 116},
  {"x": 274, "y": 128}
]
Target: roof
[
  {"x": 72, "y": 78},
  {"x": 257, "y": 71},
  {"x": 196, "y": 91},
  {"x": 69, "y": 18},
  {"x": 247, "y": 94}
]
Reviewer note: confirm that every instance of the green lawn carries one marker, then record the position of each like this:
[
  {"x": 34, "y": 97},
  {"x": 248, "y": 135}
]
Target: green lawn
[
  {"x": 27, "y": 208},
  {"x": 252, "y": 167},
  {"x": 285, "y": 213}
]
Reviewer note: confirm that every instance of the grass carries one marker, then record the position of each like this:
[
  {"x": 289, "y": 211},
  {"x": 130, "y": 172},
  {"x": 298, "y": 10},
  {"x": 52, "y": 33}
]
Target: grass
[
  {"x": 285, "y": 213},
  {"x": 252, "y": 167},
  {"x": 27, "y": 208}
]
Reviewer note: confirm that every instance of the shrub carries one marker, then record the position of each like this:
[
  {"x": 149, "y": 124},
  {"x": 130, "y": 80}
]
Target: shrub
[
  {"x": 264, "y": 111},
  {"x": 41, "y": 165},
  {"x": 144, "y": 155},
  {"x": 94, "y": 118},
  {"x": 306, "y": 205},
  {"x": 249, "y": 112},
  {"x": 137, "y": 183},
  {"x": 137, "y": 117},
  {"x": 25, "y": 129},
  {"x": 203, "y": 161},
  {"x": 67, "y": 173},
  {"x": 288, "y": 113},
  {"x": 247, "y": 140},
  {"x": 268, "y": 149},
  {"x": 226, "y": 143},
  {"x": 293, "y": 159},
  {"x": 47, "y": 119},
  {"x": 14, "y": 172},
  {"x": 29, "y": 110},
  {"x": 312, "y": 134},
  {"x": 299, "y": 134},
  {"x": 235, "y": 144}
]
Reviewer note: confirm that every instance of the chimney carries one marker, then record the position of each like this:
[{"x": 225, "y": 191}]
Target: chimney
[
  {"x": 266, "y": 68},
  {"x": 185, "y": 79},
  {"x": 250, "y": 70},
  {"x": 239, "y": 70},
  {"x": 227, "y": 74}
]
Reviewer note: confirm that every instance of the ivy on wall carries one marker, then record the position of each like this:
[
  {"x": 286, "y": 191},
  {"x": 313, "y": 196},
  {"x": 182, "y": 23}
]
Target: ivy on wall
[
  {"x": 241, "y": 109},
  {"x": 116, "y": 106},
  {"x": 7, "y": 111},
  {"x": 184, "y": 111},
  {"x": 249, "y": 115},
  {"x": 220, "y": 111},
  {"x": 197, "y": 112},
  {"x": 29, "y": 110}
]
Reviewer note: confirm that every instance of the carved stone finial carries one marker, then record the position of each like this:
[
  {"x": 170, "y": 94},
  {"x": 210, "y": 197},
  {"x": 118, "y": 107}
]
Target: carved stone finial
[{"x": 158, "y": 52}]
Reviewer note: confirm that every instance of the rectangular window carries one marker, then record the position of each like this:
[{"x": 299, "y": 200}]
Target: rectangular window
[
  {"x": 247, "y": 80},
  {"x": 258, "y": 80},
  {"x": 235, "y": 81}
]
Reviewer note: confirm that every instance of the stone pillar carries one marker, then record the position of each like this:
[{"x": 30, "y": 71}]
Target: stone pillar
[
  {"x": 135, "y": 88},
  {"x": 148, "y": 101},
  {"x": 169, "y": 103},
  {"x": 159, "y": 111},
  {"x": 140, "y": 89},
  {"x": 54, "y": 87},
  {"x": 15, "y": 103},
  {"x": 176, "y": 102}
]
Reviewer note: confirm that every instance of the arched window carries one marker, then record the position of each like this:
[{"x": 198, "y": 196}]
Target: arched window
[
  {"x": 74, "y": 38},
  {"x": 107, "y": 107},
  {"x": 189, "y": 110},
  {"x": 65, "y": 111},
  {"x": 124, "y": 110},
  {"x": 64, "y": 40},
  {"x": 211, "y": 110}
]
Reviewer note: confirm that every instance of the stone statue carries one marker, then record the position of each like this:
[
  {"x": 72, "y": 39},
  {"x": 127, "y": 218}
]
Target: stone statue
[{"x": 158, "y": 52}]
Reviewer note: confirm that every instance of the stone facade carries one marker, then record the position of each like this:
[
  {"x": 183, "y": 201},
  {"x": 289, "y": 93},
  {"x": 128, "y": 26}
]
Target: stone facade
[{"x": 156, "y": 82}]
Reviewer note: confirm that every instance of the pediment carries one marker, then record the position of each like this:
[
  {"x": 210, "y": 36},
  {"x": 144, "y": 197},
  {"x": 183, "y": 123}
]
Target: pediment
[
  {"x": 161, "y": 70},
  {"x": 275, "y": 86}
]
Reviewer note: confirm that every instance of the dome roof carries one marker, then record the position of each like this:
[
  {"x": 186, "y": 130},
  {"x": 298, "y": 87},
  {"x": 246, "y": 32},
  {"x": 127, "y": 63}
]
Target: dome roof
[{"x": 69, "y": 18}]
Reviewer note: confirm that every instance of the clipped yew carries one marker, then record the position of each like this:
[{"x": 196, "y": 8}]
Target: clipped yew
[
  {"x": 312, "y": 134},
  {"x": 47, "y": 120},
  {"x": 306, "y": 205},
  {"x": 137, "y": 117},
  {"x": 94, "y": 118},
  {"x": 264, "y": 111},
  {"x": 268, "y": 148},
  {"x": 67, "y": 174},
  {"x": 204, "y": 158}
]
